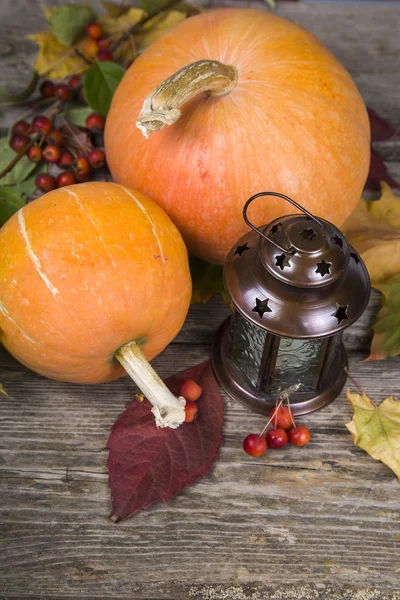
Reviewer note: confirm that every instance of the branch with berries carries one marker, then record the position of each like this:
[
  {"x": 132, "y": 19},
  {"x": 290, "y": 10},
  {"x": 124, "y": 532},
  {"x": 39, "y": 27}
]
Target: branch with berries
[{"x": 59, "y": 140}]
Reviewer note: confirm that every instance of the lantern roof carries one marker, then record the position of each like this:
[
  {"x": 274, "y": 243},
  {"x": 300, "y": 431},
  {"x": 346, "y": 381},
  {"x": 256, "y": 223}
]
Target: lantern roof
[{"x": 297, "y": 277}]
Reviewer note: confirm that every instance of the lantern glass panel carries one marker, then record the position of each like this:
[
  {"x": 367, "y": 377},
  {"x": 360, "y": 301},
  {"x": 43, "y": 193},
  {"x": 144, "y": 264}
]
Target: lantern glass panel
[
  {"x": 297, "y": 362},
  {"x": 247, "y": 346}
]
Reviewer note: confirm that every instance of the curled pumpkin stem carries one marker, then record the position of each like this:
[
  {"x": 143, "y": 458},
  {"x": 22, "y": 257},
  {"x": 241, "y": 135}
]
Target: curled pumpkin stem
[
  {"x": 162, "y": 106},
  {"x": 168, "y": 410}
]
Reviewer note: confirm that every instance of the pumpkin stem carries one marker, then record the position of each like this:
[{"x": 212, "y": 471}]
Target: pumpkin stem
[
  {"x": 161, "y": 107},
  {"x": 168, "y": 410}
]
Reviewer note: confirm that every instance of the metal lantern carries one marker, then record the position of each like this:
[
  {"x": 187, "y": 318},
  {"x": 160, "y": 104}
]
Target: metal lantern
[{"x": 295, "y": 284}]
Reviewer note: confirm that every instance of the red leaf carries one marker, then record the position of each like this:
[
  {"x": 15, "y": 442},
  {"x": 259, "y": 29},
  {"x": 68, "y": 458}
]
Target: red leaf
[
  {"x": 380, "y": 130},
  {"x": 378, "y": 172},
  {"x": 147, "y": 463}
]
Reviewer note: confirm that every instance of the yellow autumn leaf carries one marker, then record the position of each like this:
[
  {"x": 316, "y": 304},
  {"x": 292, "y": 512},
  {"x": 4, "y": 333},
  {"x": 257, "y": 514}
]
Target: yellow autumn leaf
[
  {"x": 374, "y": 231},
  {"x": 54, "y": 59},
  {"x": 157, "y": 26},
  {"x": 115, "y": 27},
  {"x": 2, "y": 390},
  {"x": 48, "y": 11},
  {"x": 376, "y": 429}
]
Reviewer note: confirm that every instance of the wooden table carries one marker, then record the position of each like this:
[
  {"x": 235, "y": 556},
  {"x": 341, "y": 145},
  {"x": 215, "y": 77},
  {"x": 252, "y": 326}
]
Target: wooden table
[{"x": 319, "y": 522}]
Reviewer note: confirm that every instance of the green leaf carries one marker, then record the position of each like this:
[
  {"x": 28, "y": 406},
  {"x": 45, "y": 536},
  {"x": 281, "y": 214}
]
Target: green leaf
[
  {"x": 207, "y": 280},
  {"x": 69, "y": 20},
  {"x": 20, "y": 171},
  {"x": 6, "y": 98},
  {"x": 76, "y": 115},
  {"x": 2, "y": 390},
  {"x": 115, "y": 10},
  {"x": 100, "y": 83},
  {"x": 10, "y": 202}
]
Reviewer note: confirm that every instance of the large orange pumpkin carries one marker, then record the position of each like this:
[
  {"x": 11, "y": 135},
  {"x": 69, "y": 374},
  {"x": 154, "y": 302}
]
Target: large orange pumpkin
[
  {"x": 293, "y": 122},
  {"x": 84, "y": 270}
]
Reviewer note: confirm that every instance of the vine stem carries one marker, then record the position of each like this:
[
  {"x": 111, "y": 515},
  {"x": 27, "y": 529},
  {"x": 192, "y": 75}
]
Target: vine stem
[
  {"x": 357, "y": 385},
  {"x": 168, "y": 410}
]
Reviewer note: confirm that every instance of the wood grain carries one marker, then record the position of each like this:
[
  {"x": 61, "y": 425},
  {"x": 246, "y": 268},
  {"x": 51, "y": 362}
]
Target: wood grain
[{"x": 321, "y": 522}]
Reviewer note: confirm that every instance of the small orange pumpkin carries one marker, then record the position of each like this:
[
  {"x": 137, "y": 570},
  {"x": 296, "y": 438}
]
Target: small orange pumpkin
[
  {"x": 259, "y": 105},
  {"x": 84, "y": 270}
]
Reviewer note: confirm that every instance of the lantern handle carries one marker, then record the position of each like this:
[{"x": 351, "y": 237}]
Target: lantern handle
[{"x": 261, "y": 233}]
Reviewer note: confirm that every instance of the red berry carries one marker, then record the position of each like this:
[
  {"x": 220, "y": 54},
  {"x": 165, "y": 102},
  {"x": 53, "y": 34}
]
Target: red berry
[
  {"x": 94, "y": 30},
  {"x": 89, "y": 48},
  {"x": 105, "y": 55},
  {"x": 190, "y": 390},
  {"x": 66, "y": 159},
  {"x": 190, "y": 411},
  {"x": 21, "y": 127},
  {"x": 299, "y": 435},
  {"x": 35, "y": 154},
  {"x": 62, "y": 91},
  {"x": 18, "y": 142},
  {"x": 65, "y": 178},
  {"x": 47, "y": 89},
  {"x": 255, "y": 445},
  {"x": 55, "y": 137},
  {"x": 104, "y": 43},
  {"x": 81, "y": 166},
  {"x": 45, "y": 182},
  {"x": 283, "y": 418},
  {"x": 51, "y": 153},
  {"x": 95, "y": 121},
  {"x": 42, "y": 124},
  {"x": 74, "y": 81},
  {"x": 276, "y": 438},
  {"x": 97, "y": 159}
]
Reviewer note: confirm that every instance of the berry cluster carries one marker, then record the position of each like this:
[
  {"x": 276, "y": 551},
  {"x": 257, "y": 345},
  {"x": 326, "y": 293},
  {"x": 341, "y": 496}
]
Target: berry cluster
[
  {"x": 43, "y": 141},
  {"x": 191, "y": 391},
  {"x": 96, "y": 44},
  {"x": 284, "y": 429}
]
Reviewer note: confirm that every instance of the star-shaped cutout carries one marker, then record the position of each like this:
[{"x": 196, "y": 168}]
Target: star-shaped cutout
[
  {"x": 307, "y": 234},
  {"x": 282, "y": 261},
  {"x": 341, "y": 313},
  {"x": 338, "y": 241},
  {"x": 356, "y": 258},
  {"x": 323, "y": 268},
  {"x": 261, "y": 307},
  {"x": 275, "y": 228},
  {"x": 241, "y": 249}
]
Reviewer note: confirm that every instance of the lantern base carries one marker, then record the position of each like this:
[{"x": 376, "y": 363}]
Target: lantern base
[{"x": 238, "y": 387}]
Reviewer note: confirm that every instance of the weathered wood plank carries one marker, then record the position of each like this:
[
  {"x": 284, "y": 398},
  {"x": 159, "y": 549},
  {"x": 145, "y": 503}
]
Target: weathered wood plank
[{"x": 316, "y": 523}]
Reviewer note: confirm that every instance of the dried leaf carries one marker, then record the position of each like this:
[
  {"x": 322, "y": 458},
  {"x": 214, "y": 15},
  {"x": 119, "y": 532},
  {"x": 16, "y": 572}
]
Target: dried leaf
[
  {"x": 147, "y": 463},
  {"x": 380, "y": 129},
  {"x": 378, "y": 172},
  {"x": 207, "y": 280},
  {"x": 115, "y": 27},
  {"x": 386, "y": 340},
  {"x": 376, "y": 429},
  {"x": 115, "y": 10},
  {"x": 100, "y": 83},
  {"x": 68, "y": 22},
  {"x": 156, "y": 27},
  {"x": 374, "y": 231},
  {"x": 56, "y": 60},
  {"x": 2, "y": 390}
]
